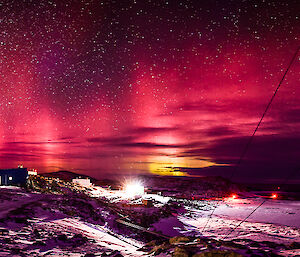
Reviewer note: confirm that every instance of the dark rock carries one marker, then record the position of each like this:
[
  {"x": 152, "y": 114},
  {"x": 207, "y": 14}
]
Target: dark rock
[
  {"x": 159, "y": 248},
  {"x": 294, "y": 245},
  {"x": 180, "y": 252},
  {"x": 217, "y": 253},
  {"x": 179, "y": 239},
  {"x": 115, "y": 254},
  {"x": 39, "y": 243},
  {"x": 15, "y": 250},
  {"x": 255, "y": 244},
  {"x": 78, "y": 240},
  {"x": 62, "y": 237},
  {"x": 269, "y": 244},
  {"x": 249, "y": 252},
  {"x": 275, "y": 255},
  {"x": 8, "y": 240},
  {"x": 37, "y": 233},
  {"x": 233, "y": 245},
  {"x": 151, "y": 243},
  {"x": 89, "y": 255},
  {"x": 21, "y": 220}
]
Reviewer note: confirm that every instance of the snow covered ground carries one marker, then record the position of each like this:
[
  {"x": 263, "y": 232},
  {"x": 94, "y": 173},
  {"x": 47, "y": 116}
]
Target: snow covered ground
[
  {"x": 275, "y": 220},
  {"x": 35, "y": 224},
  {"x": 73, "y": 224},
  {"x": 100, "y": 234}
]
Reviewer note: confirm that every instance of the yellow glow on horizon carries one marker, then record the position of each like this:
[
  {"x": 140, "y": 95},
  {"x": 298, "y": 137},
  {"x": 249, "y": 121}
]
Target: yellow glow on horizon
[{"x": 166, "y": 166}]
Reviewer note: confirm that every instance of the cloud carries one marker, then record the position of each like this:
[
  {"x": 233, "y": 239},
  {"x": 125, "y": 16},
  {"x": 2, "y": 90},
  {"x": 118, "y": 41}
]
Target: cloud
[
  {"x": 111, "y": 140},
  {"x": 290, "y": 116},
  {"x": 148, "y": 145},
  {"x": 150, "y": 130},
  {"x": 267, "y": 156},
  {"x": 218, "y": 131},
  {"x": 18, "y": 156},
  {"x": 28, "y": 143},
  {"x": 230, "y": 105}
]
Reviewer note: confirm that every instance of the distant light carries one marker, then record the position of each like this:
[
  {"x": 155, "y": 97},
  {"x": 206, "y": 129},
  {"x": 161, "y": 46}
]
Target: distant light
[
  {"x": 134, "y": 188},
  {"x": 234, "y": 196},
  {"x": 274, "y": 196}
]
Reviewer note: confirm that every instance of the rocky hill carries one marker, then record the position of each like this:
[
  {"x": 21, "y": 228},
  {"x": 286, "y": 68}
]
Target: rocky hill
[{"x": 67, "y": 175}]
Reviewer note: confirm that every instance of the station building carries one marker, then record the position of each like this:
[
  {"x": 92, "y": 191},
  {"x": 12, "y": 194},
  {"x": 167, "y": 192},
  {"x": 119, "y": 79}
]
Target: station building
[
  {"x": 85, "y": 182},
  {"x": 13, "y": 177}
]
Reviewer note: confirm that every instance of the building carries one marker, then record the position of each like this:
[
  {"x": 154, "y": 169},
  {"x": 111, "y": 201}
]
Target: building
[
  {"x": 32, "y": 172},
  {"x": 85, "y": 182},
  {"x": 13, "y": 177}
]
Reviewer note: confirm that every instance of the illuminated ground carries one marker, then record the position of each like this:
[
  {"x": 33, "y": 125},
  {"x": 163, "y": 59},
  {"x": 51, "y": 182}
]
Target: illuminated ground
[{"x": 64, "y": 221}]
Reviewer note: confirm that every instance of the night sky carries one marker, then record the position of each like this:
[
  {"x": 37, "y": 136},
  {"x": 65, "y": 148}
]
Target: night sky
[{"x": 127, "y": 87}]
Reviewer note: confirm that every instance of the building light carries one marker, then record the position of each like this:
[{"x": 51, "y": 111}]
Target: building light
[
  {"x": 134, "y": 188},
  {"x": 32, "y": 172},
  {"x": 234, "y": 196},
  {"x": 10, "y": 178},
  {"x": 274, "y": 196}
]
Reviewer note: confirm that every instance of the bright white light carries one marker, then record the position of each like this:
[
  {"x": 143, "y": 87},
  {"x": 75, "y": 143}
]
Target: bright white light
[
  {"x": 274, "y": 196},
  {"x": 234, "y": 196},
  {"x": 133, "y": 189}
]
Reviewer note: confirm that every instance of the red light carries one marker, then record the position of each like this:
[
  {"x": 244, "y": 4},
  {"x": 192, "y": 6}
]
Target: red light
[
  {"x": 233, "y": 196},
  {"x": 274, "y": 196}
]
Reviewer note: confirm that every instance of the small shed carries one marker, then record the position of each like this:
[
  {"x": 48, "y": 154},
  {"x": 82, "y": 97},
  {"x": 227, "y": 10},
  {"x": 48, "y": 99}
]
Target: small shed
[
  {"x": 13, "y": 177},
  {"x": 85, "y": 182}
]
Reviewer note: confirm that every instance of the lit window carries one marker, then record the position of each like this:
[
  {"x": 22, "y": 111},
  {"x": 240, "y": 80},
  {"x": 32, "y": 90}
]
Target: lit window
[{"x": 9, "y": 178}]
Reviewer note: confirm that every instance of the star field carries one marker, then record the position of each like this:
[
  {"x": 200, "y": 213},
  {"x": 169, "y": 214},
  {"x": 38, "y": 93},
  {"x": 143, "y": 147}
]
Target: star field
[{"x": 115, "y": 87}]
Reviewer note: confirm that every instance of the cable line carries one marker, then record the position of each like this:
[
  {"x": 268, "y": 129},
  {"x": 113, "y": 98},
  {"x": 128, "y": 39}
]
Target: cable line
[
  {"x": 231, "y": 230},
  {"x": 283, "y": 184},
  {"x": 263, "y": 115},
  {"x": 252, "y": 136}
]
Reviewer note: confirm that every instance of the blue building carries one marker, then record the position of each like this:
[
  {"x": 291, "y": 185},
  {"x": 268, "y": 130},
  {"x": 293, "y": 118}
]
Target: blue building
[{"x": 13, "y": 177}]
